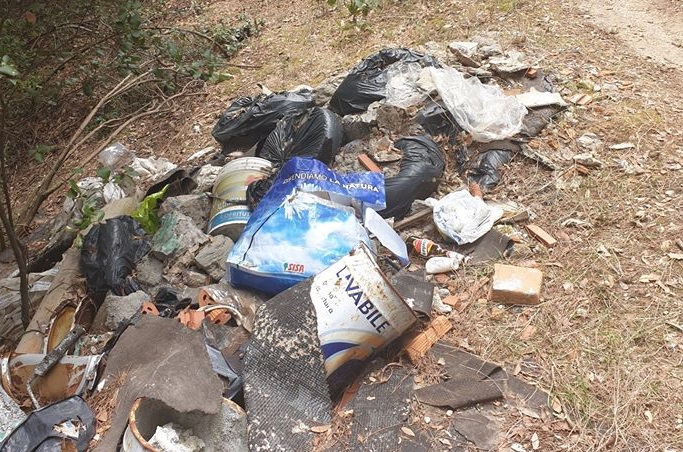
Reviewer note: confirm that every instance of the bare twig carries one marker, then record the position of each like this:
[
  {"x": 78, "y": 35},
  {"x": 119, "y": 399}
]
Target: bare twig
[
  {"x": 156, "y": 110},
  {"x": 41, "y": 192},
  {"x": 225, "y": 53},
  {"x": 18, "y": 247}
]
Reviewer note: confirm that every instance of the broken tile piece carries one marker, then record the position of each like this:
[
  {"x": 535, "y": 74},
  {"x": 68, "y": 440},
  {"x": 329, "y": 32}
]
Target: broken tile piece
[
  {"x": 516, "y": 285},
  {"x": 418, "y": 346}
]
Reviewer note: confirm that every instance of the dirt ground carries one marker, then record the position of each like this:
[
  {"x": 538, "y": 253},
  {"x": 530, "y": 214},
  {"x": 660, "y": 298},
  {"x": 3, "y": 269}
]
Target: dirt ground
[{"x": 607, "y": 340}]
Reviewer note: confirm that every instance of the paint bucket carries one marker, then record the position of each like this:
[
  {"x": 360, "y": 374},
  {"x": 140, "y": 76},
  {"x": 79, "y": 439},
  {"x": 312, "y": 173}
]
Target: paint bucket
[
  {"x": 226, "y": 430},
  {"x": 229, "y": 221},
  {"x": 358, "y": 312},
  {"x": 229, "y": 213},
  {"x": 234, "y": 178}
]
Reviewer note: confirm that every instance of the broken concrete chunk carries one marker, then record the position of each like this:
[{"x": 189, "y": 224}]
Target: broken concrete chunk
[
  {"x": 195, "y": 279},
  {"x": 509, "y": 64},
  {"x": 196, "y": 207},
  {"x": 590, "y": 142},
  {"x": 588, "y": 160},
  {"x": 359, "y": 126},
  {"x": 211, "y": 258},
  {"x": 177, "y": 234},
  {"x": 164, "y": 361},
  {"x": 149, "y": 271},
  {"x": 116, "y": 309},
  {"x": 466, "y": 53},
  {"x": 323, "y": 92},
  {"x": 516, "y": 285}
]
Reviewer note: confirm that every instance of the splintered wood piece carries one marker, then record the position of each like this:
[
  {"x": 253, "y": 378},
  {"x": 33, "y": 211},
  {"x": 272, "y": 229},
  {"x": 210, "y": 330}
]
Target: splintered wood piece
[
  {"x": 413, "y": 219},
  {"x": 368, "y": 164},
  {"x": 539, "y": 234}
]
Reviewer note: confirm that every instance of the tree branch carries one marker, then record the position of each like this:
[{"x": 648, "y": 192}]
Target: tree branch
[
  {"x": 18, "y": 248},
  {"x": 225, "y": 53}
]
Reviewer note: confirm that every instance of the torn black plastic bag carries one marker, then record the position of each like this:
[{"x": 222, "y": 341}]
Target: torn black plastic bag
[
  {"x": 249, "y": 120},
  {"x": 420, "y": 173},
  {"x": 49, "y": 428},
  {"x": 314, "y": 133},
  {"x": 485, "y": 169},
  {"x": 367, "y": 82},
  {"x": 435, "y": 119},
  {"x": 110, "y": 252}
]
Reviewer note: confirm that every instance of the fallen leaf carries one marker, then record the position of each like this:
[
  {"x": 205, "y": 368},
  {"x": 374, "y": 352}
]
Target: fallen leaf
[
  {"x": 576, "y": 223},
  {"x": 517, "y": 447},
  {"x": 528, "y": 332},
  {"x": 526, "y": 411},
  {"x": 648, "y": 416},
  {"x": 407, "y": 431},
  {"x": 557, "y": 406},
  {"x": 676, "y": 256},
  {"x": 622, "y": 146},
  {"x": 445, "y": 441},
  {"x": 651, "y": 277},
  {"x": 535, "y": 443},
  {"x": 441, "y": 362},
  {"x": 320, "y": 428},
  {"x": 30, "y": 17}
]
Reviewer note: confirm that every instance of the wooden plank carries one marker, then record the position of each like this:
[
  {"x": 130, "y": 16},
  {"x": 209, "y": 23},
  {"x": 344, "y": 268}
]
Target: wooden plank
[
  {"x": 539, "y": 234},
  {"x": 419, "y": 345},
  {"x": 368, "y": 164},
  {"x": 413, "y": 219}
]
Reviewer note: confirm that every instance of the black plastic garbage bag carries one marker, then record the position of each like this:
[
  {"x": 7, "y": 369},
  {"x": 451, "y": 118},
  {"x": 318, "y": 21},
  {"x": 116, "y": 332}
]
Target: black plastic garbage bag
[
  {"x": 169, "y": 302},
  {"x": 435, "y": 119},
  {"x": 420, "y": 173},
  {"x": 257, "y": 190},
  {"x": 249, "y": 120},
  {"x": 314, "y": 133},
  {"x": 367, "y": 82},
  {"x": 484, "y": 169},
  {"x": 47, "y": 429},
  {"x": 110, "y": 252}
]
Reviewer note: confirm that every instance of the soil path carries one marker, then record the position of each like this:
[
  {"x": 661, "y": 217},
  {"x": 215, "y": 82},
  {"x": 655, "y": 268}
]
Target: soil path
[{"x": 653, "y": 29}]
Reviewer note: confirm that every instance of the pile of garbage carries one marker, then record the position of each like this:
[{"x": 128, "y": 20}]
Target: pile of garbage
[{"x": 239, "y": 304}]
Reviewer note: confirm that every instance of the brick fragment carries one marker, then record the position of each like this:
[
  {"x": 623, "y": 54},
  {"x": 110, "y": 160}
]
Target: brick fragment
[{"x": 516, "y": 285}]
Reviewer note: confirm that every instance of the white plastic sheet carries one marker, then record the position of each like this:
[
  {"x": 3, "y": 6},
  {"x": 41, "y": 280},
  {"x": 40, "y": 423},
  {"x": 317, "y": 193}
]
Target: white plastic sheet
[{"x": 482, "y": 110}]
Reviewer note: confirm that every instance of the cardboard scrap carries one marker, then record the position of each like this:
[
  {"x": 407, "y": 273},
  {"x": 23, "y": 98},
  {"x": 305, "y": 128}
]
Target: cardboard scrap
[{"x": 419, "y": 345}]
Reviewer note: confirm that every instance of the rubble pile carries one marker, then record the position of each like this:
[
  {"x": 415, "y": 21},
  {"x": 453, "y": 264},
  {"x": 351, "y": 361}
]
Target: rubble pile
[{"x": 250, "y": 302}]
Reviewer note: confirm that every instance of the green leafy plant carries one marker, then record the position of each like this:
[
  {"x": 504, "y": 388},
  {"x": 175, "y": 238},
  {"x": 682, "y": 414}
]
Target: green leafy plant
[
  {"x": 358, "y": 9},
  {"x": 146, "y": 213},
  {"x": 39, "y": 152}
]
